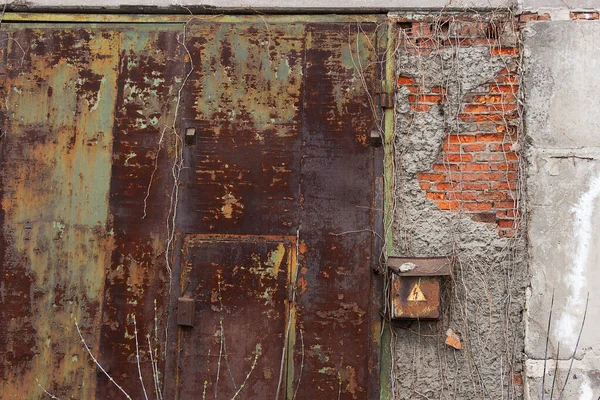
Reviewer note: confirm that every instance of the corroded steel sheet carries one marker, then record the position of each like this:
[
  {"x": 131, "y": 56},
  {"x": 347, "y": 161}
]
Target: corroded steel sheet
[
  {"x": 56, "y": 153},
  {"x": 282, "y": 117},
  {"x": 266, "y": 221},
  {"x": 241, "y": 286}
]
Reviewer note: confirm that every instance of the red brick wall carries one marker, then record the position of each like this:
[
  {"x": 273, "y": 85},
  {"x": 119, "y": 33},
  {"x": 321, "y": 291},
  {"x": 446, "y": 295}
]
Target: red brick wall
[{"x": 477, "y": 170}]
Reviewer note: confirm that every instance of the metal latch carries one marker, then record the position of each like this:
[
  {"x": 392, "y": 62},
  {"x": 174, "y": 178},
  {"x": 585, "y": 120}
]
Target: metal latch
[{"x": 185, "y": 311}]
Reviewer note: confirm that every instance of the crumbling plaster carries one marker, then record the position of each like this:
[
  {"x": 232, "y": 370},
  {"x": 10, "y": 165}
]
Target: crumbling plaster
[
  {"x": 562, "y": 113},
  {"x": 483, "y": 302}
]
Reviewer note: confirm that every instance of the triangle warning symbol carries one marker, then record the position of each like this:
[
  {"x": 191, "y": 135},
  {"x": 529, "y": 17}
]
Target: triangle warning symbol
[{"x": 416, "y": 294}]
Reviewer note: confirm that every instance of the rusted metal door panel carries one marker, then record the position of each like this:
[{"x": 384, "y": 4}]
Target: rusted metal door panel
[
  {"x": 336, "y": 213},
  {"x": 282, "y": 116},
  {"x": 244, "y": 99},
  {"x": 108, "y": 217},
  {"x": 142, "y": 204},
  {"x": 55, "y": 242},
  {"x": 241, "y": 286},
  {"x": 83, "y": 230}
]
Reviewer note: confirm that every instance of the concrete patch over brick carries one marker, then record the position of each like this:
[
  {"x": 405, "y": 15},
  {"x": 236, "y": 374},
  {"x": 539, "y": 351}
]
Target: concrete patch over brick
[{"x": 443, "y": 174}]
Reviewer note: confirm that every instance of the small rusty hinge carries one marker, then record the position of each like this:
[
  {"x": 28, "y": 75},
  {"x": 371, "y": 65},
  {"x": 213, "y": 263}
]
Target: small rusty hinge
[{"x": 386, "y": 100}]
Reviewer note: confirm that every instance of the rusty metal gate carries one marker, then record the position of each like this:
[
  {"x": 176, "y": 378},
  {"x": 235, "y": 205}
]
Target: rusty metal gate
[{"x": 194, "y": 201}]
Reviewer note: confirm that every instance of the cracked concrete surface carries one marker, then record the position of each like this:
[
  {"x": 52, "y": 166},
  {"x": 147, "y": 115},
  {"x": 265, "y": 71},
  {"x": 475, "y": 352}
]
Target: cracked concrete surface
[{"x": 564, "y": 198}]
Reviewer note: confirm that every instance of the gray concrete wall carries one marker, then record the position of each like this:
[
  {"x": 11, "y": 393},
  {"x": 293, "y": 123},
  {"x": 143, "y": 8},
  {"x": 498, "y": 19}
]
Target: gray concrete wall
[
  {"x": 562, "y": 114},
  {"x": 533, "y": 5}
]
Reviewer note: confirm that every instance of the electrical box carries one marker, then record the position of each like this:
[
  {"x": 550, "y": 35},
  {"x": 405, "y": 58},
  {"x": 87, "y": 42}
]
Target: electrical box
[{"x": 415, "y": 286}]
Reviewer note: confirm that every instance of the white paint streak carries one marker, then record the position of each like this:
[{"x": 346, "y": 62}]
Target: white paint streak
[
  {"x": 568, "y": 326},
  {"x": 585, "y": 392}
]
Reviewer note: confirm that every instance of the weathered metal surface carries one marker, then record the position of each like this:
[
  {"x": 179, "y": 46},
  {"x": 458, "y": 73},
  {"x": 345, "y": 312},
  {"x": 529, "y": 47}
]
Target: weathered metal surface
[
  {"x": 150, "y": 72},
  {"x": 415, "y": 297},
  {"x": 275, "y": 208},
  {"x": 420, "y": 266},
  {"x": 55, "y": 174},
  {"x": 336, "y": 210},
  {"x": 241, "y": 286},
  {"x": 282, "y": 118}
]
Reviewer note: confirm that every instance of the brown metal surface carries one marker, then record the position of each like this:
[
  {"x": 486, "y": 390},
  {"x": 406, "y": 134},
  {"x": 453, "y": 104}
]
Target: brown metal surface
[
  {"x": 415, "y": 297},
  {"x": 241, "y": 287},
  {"x": 274, "y": 211},
  {"x": 423, "y": 266}
]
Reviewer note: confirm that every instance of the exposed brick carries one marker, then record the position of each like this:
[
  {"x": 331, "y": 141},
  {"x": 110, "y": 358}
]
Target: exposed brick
[
  {"x": 491, "y": 196},
  {"x": 447, "y": 205},
  {"x": 584, "y": 15},
  {"x": 484, "y": 217},
  {"x": 508, "y": 214},
  {"x": 504, "y": 185},
  {"x": 502, "y": 107},
  {"x": 445, "y": 186},
  {"x": 405, "y": 80},
  {"x": 462, "y": 195},
  {"x": 461, "y": 139},
  {"x": 469, "y": 177},
  {"x": 479, "y": 206},
  {"x": 451, "y": 148},
  {"x": 470, "y": 108},
  {"x": 506, "y": 232},
  {"x": 473, "y": 167},
  {"x": 505, "y": 51},
  {"x": 458, "y": 157},
  {"x": 436, "y": 196},
  {"x": 469, "y": 148},
  {"x": 490, "y": 137},
  {"x": 445, "y": 167},
  {"x": 504, "y": 89},
  {"x": 528, "y": 16},
  {"x": 420, "y": 107},
  {"x": 477, "y": 171},
  {"x": 475, "y": 186},
  {"x": 506, "y": 166},
  {"x": 487, "y": 99},
  {"x": 490, "y": 176},
  {"x": 430, "y": 177},
  {"x": 506, "y": 223},
  {"x": 504, "y": 204}
]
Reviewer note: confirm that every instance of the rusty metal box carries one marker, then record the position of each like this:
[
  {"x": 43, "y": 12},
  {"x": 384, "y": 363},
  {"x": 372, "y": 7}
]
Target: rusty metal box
[{"x": 415, "y": 286}]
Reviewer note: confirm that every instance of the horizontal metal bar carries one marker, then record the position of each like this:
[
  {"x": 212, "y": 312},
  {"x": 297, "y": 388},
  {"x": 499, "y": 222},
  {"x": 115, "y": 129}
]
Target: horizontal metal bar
[
  {"x": 11, "y": 17},
  {"x": 421, "y": 266}
]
